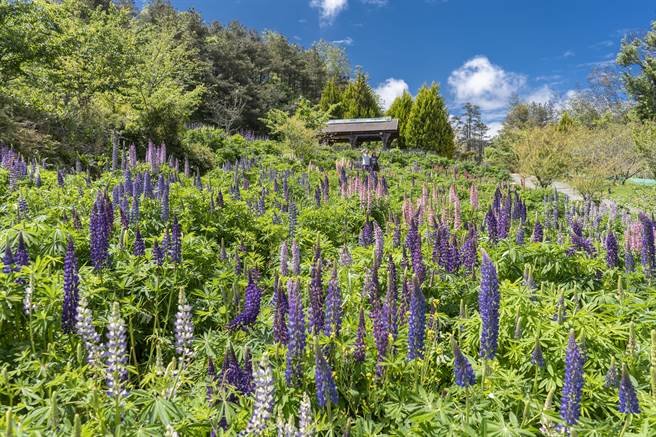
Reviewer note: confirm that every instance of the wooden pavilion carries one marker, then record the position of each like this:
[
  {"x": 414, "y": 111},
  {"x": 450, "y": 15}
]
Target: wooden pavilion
[{"x": 359, "y": 130}]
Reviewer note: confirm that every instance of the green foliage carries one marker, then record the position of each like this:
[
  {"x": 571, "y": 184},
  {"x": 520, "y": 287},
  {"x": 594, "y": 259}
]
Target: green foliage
[
  {"x": 359, "y": 100},
  {"x": 428, "y": 126},
  {"x": 542, "y": 153},
  {"x": 640, "y": 54},
  {"x": 331, "y": 99},
  {"x": 644, "y": 135},
  {"x": 400, "y": 109}
]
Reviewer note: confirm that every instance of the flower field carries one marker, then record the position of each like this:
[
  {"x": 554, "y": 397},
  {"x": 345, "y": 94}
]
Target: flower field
[{"x": 269, "y": 297}]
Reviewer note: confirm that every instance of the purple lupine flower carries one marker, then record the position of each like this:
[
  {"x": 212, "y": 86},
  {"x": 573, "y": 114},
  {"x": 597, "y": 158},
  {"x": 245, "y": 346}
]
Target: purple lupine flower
[
  {"x": 323, "y": 380},
  {"x": 158, "y": 254},
  {"x": 359, "y": 353},
  {"x": 628, "y": 403},
  {"x": 184, "y": 331},
  {"x": 134, "y": 213},
  {"x": 333, "y": 318},
  {"x": 538, "y": 232},
  {"x": 390, "y": 307},
  {"x": 537, "y": 358},
  {"x": 175, "y": 249},
  {"x": 284, "y": 259},
  {"x": 116, "y": 355},
  {"x": 469, "y": 251},
  {"x": 570, "y": 406},
  {"x": 60, "y": 178},
  {"x": 413, "y": 241},
  {"x": 503, "y": 224},
  {"x": 611, "y": 378},
  {"x": 85, "y": 329},
  {"x": 416, "y": 322},
  {"x": 648, "y": 254},
  {"x": 295, "y": 335},
  {"x": 23, "y": 210},
  {"x": 366, "y": 235},
  {"x": 252, "y": 298},
  {"x": 263, "y": 403},
  {"x": 488, "y": 307},
  {"x": 165, "y": 205},
  {"x": 345, "y": 256},
  {"x": 519, "y": 236},
  {"x": 491, "y": 225},
  {"x": 139, "y": 245},
  {"x": 612, "y": 258},
  {"x": 317, "y": 297},
  {"x": 219, "y": 199},
  {"x": 379, "y": 240},
  {"x": 280, "y": 316},
  {"x": 71, "y": 286},
  {"x": 99, "y": 228},
  {"x": 462, "y": 369},
  {"x": 629, "y": 262},
  {"x": 8, "y": 260},
  {"x": 22, "y": 255},
  {"x": 296, "y": 258}
]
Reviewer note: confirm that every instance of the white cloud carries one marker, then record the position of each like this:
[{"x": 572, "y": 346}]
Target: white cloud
[
  {"x": 345, "y": 42},
  {"x": 487, "y": 85},
  {"x": 389, "y": 90},
  {"x": 568, "y": 54},
  {"x": 375, "y": 2},
  {"x": 544, "y": 94},
  {"x": 329, "y": 9},
  {"x": 493, "y": 128}
]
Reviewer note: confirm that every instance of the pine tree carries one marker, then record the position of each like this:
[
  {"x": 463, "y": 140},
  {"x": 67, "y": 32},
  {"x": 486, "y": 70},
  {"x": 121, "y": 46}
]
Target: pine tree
[
  {"x": 400, "y": 109},
  {"x": 331, "y": 97},
  {"x": 428, "y": 127},
  {"x": 359, "y": 100}
]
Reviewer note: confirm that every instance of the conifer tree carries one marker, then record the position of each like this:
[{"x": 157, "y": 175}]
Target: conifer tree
[
  {"x": 400, "y": 109},
  {"x": 331, "y": 97},
  {"x": 359, "y": 100},
  {"x": 428, "y": 127}
]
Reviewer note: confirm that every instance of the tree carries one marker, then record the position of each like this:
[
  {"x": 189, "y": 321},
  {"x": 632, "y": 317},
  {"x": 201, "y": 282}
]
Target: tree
[
  {"x": 602, "y": 101},
  {"x": 335, "y": 59},
  {"x": 522, "y": 115},
  {"x": 644, "y": 135},
  {"x": 471, "y": 129},
  {"x": 359, "y": 100},
  {"x": 331, "y": 99},
  {"x": 428, "y": 126},
  {"x": 543, "y": 153},
  {"x": 638, "y": 57},
  {"x": 400, "y": 109}
]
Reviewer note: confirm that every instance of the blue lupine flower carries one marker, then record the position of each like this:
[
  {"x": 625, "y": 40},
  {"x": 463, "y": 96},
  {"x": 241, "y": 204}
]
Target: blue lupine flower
[
  {"x": 416, "y": 323},
  {"x": 323, "y": 380},
  {"x": 488, "y": 307},
  {"x": 462, "y": 369},
  {"x": 628, "y": 399},
  {"x": 295, "y": 334},
  {"x": 570, "y": 406},
  {"x": 71, "y": 292}
]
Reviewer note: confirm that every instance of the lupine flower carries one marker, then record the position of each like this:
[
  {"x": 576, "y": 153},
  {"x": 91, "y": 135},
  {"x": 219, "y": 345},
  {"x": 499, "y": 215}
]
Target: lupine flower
[
  {"x": 8, "y": 260},
  {"x": 71, "y": 292},
  {"x": 345, "y": 257},
  {"x": 22, "y": 255},
  {"x": 359, "y": 353},
  {"x": 296, "y": 258},
  {"x": 462, "y": 369},
  {"x": 252, "y": 298},
  {"x": 537, "y": 359},
  {"x": 263, "y": 403},
  {"x": 469, "y": 251},
  {"x": 246, "y": 382},
  {"x": 295, "y": 335},
  {"x": 175, "y": 249},
  {"x": 612, "y": 258},
  {"x": 139, "y": 245},
  {"x": 280, "y": 316},
  {"x": 628, "y": 400},
  {"x": 538, "y": 233},
  {"x": 473, "y": 197},
  {"x": 648, "y": 253},
  {"x": 519, "y": 236},
  {"x": 305, "y": 417},
  {"x": 85, "y": 329},
  {"x": 488, "y": 307},
  {"x": 28, "y": 305},
  {"x": 165, "y": 204},
  {"x": 316, "y": 294},
  {"x": 611, "y": 379},
  {"x": 158, "y": 255},
  {"x": 570, "y": 406},
  {"x": 413, "y": 241},
  {"x": 184, "y": 331},
  {"x": 116, "y": 355},
  {"x": 333, "y": 317},
  {"x": 379, "y": 241},
  {"x": 284, "y": 259},
  {"x": 323, "y": 380},
  {"x": 366, "y": 235},
  {"x": 416, "y": 323},
  {"x": 491, "y": 225}
]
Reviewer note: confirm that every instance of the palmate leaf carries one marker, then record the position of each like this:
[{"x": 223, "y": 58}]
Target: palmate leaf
[{"x": 156, "y": 409}]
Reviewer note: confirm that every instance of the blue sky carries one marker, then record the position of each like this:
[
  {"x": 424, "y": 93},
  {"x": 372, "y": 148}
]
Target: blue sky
[{"x": 482, "y": 51}]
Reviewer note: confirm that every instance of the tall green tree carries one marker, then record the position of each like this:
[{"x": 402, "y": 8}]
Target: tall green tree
[
  {"x": 638, "y": 56},
  {"x": 331, "y": 99},
  {"x": 400, "y": 109},
  {"x": 359, "y": 100},
  {"x": 428, "y": 126}
]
